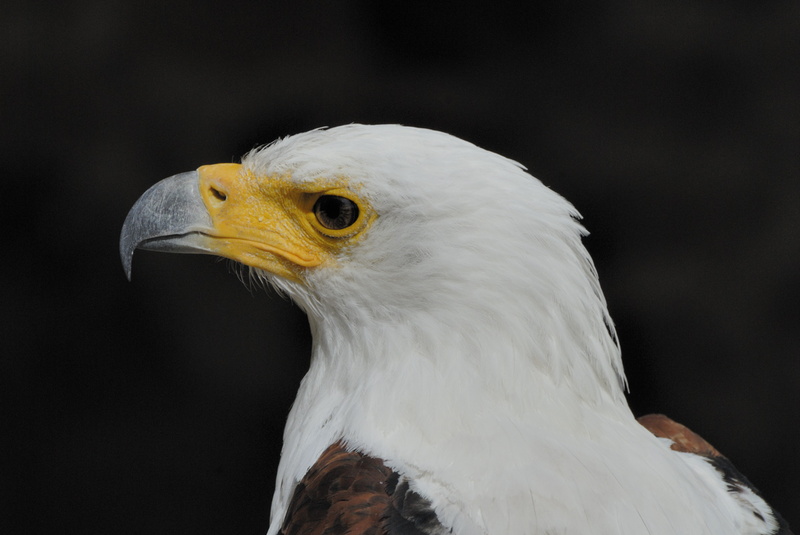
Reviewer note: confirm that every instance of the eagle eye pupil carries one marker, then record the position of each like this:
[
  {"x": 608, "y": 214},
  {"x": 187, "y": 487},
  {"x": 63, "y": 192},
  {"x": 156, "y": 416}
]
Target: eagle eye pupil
[{"x": 334, "y": 212}]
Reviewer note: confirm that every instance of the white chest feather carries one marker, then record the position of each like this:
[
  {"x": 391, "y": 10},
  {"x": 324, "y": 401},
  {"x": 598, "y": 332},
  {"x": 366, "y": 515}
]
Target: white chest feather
[{"x": 499, "y": 456}]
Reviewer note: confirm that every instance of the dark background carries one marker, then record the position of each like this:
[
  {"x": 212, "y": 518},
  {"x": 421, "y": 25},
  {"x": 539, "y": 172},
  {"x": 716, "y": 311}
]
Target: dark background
[{"x": 157, "y": 406}]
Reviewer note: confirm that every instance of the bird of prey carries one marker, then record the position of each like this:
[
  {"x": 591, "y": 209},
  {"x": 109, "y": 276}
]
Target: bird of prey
[{"x": 465, "y": 376}]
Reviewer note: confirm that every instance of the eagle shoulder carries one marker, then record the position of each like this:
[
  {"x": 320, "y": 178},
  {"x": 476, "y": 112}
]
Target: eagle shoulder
[
  {"x": 350, "y": 493},
  {"x": 687, "y": 441}
]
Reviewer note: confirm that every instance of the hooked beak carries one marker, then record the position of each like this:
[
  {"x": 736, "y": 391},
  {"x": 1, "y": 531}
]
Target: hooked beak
[{"x": 171, "y": 217}]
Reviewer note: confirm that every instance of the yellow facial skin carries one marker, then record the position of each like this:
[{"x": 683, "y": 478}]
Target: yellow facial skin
[{"x": 269, "y": 222}]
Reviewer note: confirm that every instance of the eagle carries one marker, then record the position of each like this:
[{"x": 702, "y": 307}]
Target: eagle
[{"x": 465, "y": 375}]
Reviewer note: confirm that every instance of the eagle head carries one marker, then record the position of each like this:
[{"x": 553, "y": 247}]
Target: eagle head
[{"x": 405, "y": 231}]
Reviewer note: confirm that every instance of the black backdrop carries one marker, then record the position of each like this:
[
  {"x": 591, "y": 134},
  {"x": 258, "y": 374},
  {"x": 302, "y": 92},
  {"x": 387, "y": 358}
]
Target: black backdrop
[{"x": 157, "y": 406}]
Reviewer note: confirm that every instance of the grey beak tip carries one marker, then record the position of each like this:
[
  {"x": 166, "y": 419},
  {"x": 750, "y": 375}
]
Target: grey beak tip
[
  {"x": 127, "y": 246},
  {"x": 127, "y": 267},
  {"x": 167, "y": 217}
]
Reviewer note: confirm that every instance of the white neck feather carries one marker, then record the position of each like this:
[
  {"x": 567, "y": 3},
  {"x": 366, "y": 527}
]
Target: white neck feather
[{"x": 434, "y": 411}]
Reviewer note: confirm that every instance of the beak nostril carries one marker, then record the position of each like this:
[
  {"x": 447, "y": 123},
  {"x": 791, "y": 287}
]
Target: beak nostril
[{"x": 218, "y": 194}]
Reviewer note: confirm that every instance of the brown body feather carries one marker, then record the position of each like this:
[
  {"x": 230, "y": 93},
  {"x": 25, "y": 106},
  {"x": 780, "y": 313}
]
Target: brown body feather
[
  {"x": 683, "y": 438},
  {"x": 349, "y": 493}
]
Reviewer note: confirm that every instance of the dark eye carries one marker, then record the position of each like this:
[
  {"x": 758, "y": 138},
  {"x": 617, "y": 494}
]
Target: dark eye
[{"x": 334, "y": 212}]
